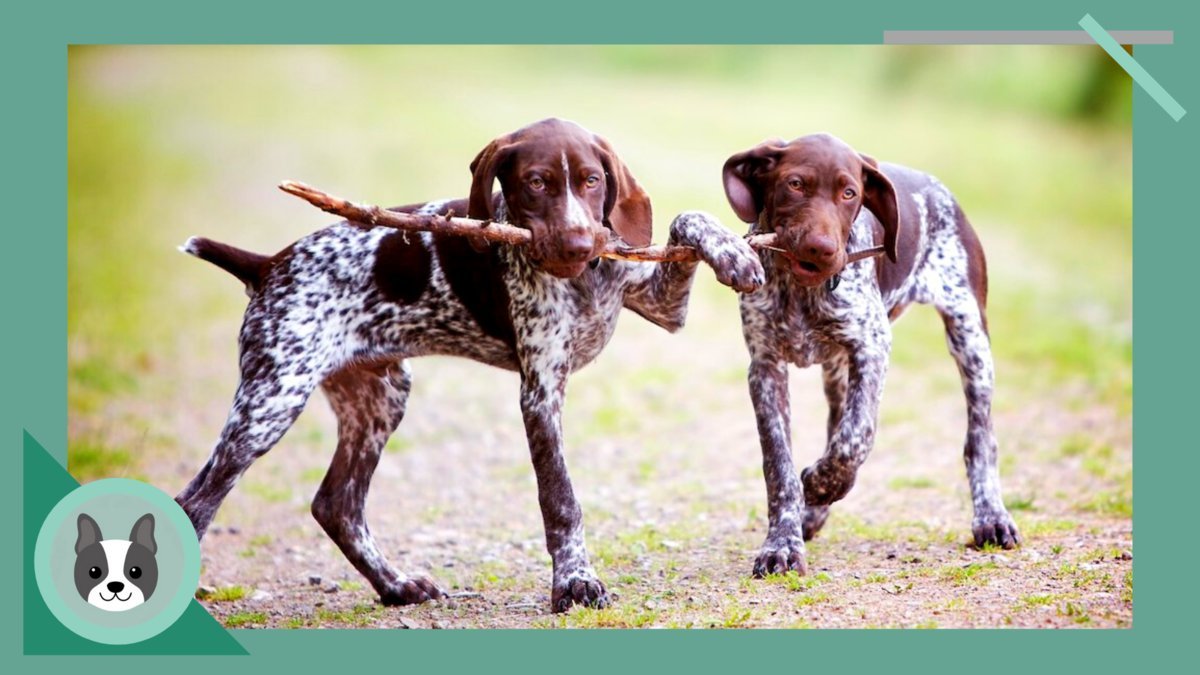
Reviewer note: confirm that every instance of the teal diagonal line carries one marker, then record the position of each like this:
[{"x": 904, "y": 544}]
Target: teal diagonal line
[{"x": 1131, "y": 66}]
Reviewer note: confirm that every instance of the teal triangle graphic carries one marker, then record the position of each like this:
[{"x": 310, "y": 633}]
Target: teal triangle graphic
[{"x": 45, "y": 483}]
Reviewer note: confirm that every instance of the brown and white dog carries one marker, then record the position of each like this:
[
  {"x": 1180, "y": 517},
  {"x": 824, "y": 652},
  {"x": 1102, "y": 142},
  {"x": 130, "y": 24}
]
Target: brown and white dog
[
  {"x": 824, "y": 200},
  {"x": 344, "y": 309}
]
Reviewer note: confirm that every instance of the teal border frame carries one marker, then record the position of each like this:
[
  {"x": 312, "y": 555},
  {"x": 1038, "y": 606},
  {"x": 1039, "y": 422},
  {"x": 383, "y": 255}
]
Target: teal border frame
[{"x": 1165, "y": 242}]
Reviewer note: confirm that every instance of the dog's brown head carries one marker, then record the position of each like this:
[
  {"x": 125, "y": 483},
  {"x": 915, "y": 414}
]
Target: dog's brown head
[
  {"x": 568, "y": 187},
  {"x": 809, "y": 191}
]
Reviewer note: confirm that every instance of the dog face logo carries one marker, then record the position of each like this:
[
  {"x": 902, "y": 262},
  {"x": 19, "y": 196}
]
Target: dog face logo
[{"x": 115, "y": 574}]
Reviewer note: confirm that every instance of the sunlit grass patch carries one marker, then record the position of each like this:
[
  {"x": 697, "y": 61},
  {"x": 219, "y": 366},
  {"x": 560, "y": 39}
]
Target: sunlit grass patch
[
  {"x": 223, "y": 594},
  {"x": 91, "y": 459},
  {"x": 244, "y": 619},
  {"x": 912, "y": 483}
]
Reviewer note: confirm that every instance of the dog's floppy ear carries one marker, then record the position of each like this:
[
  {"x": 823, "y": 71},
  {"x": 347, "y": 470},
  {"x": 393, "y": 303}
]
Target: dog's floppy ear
[
  {"x": 880, "y": 199},
  {"x": 89, "y": 533},
  {"x": 743, "y": 174},
  {"x": 627, "y": 208},
  {"x": 484, "y": 168},
  {"x": 143, "y": 533}
]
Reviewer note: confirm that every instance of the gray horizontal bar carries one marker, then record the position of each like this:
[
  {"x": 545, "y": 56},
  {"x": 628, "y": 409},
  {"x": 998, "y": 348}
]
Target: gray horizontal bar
[{"x": 1022, "y": 37}]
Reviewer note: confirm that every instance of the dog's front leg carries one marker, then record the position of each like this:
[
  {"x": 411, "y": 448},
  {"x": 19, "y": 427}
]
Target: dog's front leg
[
  {"x": 783, "y": 549},
  {"x": 853, "y": 435},
  {"x": 659, "y": 293},
  {"x": 543, "y": 386}
]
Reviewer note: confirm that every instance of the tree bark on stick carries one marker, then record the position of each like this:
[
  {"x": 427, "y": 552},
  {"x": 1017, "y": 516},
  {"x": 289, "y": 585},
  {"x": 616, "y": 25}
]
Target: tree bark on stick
[{"x": 500, "y": 232}]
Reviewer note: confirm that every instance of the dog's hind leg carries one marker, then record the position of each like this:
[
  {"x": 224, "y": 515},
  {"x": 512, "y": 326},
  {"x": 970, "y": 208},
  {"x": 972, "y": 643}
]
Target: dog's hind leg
[
  {"x": 967, "y": 339},
  {"x": 274, "y": 387},
  {"x": 369, "y": 403}
]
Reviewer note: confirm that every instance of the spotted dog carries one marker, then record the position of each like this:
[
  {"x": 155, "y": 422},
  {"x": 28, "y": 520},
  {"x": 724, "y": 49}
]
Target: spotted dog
[
  {"x": 824, "y": 200},
  {"x": 345, "y": 308}
]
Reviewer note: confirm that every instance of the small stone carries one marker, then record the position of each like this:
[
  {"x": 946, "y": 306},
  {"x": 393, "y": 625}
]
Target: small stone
[
  {"x": 452, "y": 604},
  {"x": 439, "y": 625},
  {"x": 314, "y": 580},
  {"x": 408, "y": 623},
  {"x": 1126, "y": 555},
  {"x": 671, "y": 544},
  {"x": 234, "y": 529},
  {"x": 216, "y": 529},
  {"x": 260, "y": 596},
  {"x": 331, "y": 587},
  {"x": 205, "y": 592},
  {"x": 891, "y": 555},
  {"x": 650, "y": 604}
]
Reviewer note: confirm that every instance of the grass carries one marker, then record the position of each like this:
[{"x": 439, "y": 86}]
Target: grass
[
  {"x": 224, "y": 594},
  {"x": 968, "y": 575},
  {"x": 90, "y": 459},
  {"x": 242, "y": 619}
]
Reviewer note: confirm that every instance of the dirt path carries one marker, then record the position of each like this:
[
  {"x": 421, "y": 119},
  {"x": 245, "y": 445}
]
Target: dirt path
[{"x": 673, "y": 502}]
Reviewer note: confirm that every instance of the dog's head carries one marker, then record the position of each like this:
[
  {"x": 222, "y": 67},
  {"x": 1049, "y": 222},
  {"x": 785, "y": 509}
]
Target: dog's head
[
  {"x": 809, "y": 192},
  {"x": 565, "y": 185},
  {"x": 115, "y": 574}
]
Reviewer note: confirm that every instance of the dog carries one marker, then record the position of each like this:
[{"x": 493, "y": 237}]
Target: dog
[
  {"x": 344, "y": 309},
  {"x": 115, "y": 575},
  {"x": 824, "y": 201}
]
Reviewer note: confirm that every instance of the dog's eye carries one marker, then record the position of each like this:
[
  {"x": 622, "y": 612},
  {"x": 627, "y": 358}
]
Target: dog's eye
[
  {"x": 95, "y": 572},
  {"x": 592, "y": 181},
  {"x": 796, "y": 184},
  {"x": 537, "y": 184},
  {"x": 849, "y": 194},
  {"x": 135, "y": 572}
]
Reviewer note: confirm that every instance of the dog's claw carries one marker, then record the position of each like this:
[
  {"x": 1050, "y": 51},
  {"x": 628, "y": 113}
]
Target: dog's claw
[
  {"x": 996, "y": 530},
  {"x": 779, "y": 556},
  {"x": 411, "y": 592}
]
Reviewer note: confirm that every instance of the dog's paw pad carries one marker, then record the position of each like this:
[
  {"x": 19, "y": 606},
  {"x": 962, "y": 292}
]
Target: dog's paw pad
[
  {"x": 411, "y": 592},
  {"x": 582, "y": 588}
]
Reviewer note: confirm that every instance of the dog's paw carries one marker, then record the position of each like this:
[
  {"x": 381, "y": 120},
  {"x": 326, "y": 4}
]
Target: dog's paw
[
  {"x": 996, "y": 529},
  {"x": 581, "y": 587},
  {"x": 737, "y": 266},
  {"x": 825, "y": 483},
  {"x": 780, "y": 555},
  {"x": 731, "y": 257},
  {"x": 814, "y": 520},
  {"x": 414, "y": 591}
]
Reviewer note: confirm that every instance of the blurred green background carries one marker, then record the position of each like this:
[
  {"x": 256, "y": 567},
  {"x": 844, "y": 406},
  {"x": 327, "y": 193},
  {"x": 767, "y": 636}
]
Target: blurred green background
[{"x": 166, "y": 142}]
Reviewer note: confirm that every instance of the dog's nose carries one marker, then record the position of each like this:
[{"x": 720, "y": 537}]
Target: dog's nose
[
  {"x": 115, "y": 587},
  {"x": 577, "y": 248},
  {"x": 820, "y": 247}
]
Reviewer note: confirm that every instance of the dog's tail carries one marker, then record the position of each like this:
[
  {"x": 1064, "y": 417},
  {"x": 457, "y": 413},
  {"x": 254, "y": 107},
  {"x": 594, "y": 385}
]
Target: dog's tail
[{"x": 249, "y": 268}]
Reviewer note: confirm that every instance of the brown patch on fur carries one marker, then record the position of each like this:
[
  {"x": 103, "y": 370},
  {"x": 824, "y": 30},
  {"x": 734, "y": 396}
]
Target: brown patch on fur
[{"x": 402, "y": 266}]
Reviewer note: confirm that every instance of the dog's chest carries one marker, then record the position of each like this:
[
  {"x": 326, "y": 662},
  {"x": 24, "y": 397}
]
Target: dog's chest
[
  {"x": 817, "y": 325},
  {"x": 568, "y": 319}
]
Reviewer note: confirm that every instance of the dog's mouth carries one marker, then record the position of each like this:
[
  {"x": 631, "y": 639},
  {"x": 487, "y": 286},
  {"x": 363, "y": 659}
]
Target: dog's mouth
[
  {"x": 116, "y": 596},
  {"x": 563, "y": 270},
  {"x": 807, "y": 272}
]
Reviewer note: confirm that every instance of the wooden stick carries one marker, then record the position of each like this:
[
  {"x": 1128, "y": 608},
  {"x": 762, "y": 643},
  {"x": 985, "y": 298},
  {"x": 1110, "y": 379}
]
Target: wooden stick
[{"x": 501, "y": 232}]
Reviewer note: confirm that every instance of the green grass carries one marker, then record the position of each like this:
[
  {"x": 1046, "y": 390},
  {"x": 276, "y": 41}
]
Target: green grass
[
  {"x": 244, "y": 619},
  {"x": 912, "y": 483},
  {"x": 90, "y": 459},
  {"x": 224, "y": 594},
  {"x": 968, "y": 575}
]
